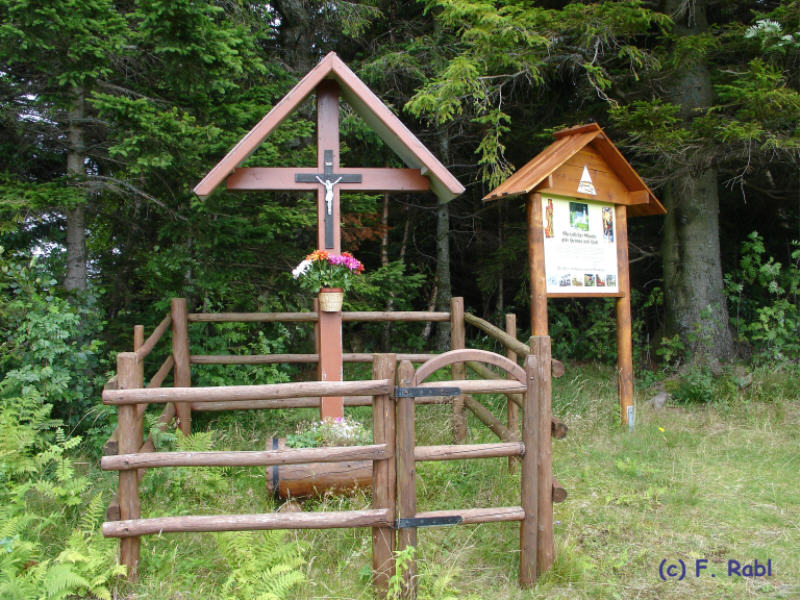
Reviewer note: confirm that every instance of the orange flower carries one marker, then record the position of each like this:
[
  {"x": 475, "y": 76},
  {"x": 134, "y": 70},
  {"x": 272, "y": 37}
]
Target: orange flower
[{"x": 318, "y": 255}]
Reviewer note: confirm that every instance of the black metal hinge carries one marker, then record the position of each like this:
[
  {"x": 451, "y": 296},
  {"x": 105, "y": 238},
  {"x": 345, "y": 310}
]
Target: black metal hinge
[
  {"x": 426, "y": 522},
  {"x": 419, "y": 392}
]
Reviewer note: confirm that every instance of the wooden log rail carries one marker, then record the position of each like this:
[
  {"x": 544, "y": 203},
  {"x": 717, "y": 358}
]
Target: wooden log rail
[
  {"x": 321, "y": 520},
  {"x": 511, "y": 343},
  {"x": 313, "y": 317},
  {"x": 268, "y": 359},
  {"x": 297, "y": 456},
  {"x": 148, "y": 345},
  {"x": 558, "y": 429},
  {"x": 248, "y": 392},
  {"x": 309, "y": 402},
  {"x": 393, "y": 454}
]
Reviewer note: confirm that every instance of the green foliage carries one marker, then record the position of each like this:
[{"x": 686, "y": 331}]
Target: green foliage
[
  {"x": 42, "y": 496},
  {"x": 764, "y": 295},
  {"x": 433, "y": 581},
  {"x": 68, "y": 42},
  {"x": 583, "y": 330},
  {"x": 392, "y": 280},
  {"x": 496, "y": 46},
  {"x": 263, "y": 565},
  {"x": 343, "y": 431},
  {"x": 181, "y": 489},
  {"x": 50, "y": 353},
  {"x": 244, "y": 339}
]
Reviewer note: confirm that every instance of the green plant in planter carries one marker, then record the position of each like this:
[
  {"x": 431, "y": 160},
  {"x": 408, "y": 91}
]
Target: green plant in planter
[
  {"x": 342, "y": 431},
  {"x": 321, "y": 269}
]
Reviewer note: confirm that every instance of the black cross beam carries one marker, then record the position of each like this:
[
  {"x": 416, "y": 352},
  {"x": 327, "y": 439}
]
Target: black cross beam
[{"x": 327, "y": 178}]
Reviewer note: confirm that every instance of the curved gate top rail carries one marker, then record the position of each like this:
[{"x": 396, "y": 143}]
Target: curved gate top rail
[{"x": 459, "y": 356}]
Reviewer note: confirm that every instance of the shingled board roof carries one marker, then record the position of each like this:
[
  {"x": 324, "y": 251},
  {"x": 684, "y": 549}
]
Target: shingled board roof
[
  {"x": 366, "y": 104},
  {"x": 568, "y": 143}
]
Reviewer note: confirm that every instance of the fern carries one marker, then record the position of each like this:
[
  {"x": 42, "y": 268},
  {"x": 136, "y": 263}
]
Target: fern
[{"x": 264, "y": 565}]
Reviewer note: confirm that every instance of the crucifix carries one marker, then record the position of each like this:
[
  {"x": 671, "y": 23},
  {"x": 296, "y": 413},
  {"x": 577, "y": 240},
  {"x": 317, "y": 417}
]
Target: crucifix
[{"x": 330, "y": 195}]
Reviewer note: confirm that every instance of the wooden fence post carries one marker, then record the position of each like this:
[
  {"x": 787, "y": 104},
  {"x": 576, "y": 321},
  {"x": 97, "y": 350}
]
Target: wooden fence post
[
  {"x": 384, "y": 476},
  {"x": 540, "y": 348},
  {"x": 406, "y": 475},
  {"x": 138, "y": 337},
  {"x": 512, "y": 410},
  {"x": 458, "y": 370},
  {"x": 529, "y": 476},
  {"x": 180, "y": 354},
  {"x": 129, "y": 426}
]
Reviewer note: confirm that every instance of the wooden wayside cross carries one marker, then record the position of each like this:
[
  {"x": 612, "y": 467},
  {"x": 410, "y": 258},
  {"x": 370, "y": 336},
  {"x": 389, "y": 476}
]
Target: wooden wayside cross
[{"x": 329, "y": 179}]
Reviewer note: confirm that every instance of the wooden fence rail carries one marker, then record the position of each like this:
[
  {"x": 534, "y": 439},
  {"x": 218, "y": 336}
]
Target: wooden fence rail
[
  {"x": 243, "y": 458},
  {"x": 148, "y": 345},
  {"x": 132, "y": 528},
  {"x": 313, "y": 317},
  {"x": 247, "y": 392},
  {"x": 268, "y": 359}
]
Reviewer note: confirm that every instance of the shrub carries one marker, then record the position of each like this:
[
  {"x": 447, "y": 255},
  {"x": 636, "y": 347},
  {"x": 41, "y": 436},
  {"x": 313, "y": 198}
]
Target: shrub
[{"x": 764, "y": 295}]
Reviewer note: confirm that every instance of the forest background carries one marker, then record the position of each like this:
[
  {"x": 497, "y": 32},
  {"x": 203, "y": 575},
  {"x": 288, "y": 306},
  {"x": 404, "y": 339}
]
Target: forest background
[{"x": 110, "y": 112}]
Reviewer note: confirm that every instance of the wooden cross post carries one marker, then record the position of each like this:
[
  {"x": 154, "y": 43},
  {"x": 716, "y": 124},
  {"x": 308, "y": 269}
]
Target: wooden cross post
[
  {"x": 328, "y": 212},
  {"x": 329, "y": 234}
]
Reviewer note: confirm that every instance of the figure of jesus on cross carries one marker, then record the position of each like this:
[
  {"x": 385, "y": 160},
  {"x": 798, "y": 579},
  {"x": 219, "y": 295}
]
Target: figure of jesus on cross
[{"x": 328, "y": 192}]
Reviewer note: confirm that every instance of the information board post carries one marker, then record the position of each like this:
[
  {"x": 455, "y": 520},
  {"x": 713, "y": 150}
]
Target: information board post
[
  {"x": 536, "y": 265},
  {"x": 624, "y": 328}
]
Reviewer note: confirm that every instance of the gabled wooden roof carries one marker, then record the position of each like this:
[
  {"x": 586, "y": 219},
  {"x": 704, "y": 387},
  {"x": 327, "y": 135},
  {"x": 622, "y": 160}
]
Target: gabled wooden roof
[
  {"x": 534, "y": 175},
  {"x": 366, "y": 104}
]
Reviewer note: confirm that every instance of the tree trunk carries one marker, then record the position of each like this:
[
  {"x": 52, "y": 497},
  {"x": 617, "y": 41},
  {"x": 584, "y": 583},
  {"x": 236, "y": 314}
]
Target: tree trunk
[
  {"x": 443, "y": 257},
  {"x": 76, "y": 278},
  {"x": 694, "y": 296}
]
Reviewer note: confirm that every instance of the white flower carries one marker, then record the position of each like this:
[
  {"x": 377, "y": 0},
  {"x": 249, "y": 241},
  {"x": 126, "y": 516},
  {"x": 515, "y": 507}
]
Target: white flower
[{"x": 301, "y": 268}]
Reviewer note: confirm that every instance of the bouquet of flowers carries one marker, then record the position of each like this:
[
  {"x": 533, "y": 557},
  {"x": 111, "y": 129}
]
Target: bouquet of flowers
[{"x": 321, "y": 269}]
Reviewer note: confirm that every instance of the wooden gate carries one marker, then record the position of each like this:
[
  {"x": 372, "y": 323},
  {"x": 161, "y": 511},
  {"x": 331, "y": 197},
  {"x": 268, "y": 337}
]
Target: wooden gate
[{"x": 535, "y": 512}]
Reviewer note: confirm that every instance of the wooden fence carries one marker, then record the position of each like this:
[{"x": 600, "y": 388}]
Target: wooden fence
[{"x": 393, "y": 453}]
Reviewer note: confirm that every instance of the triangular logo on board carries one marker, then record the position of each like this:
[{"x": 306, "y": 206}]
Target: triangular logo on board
[{"x": 586, "y": 186}]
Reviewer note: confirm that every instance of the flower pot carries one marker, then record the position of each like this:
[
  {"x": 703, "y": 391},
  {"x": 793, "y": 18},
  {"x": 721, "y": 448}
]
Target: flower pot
[{"x": 331, "y": 299}]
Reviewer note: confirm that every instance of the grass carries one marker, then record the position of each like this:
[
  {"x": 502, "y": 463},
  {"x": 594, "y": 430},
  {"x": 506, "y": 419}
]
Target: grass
[{"x": 717, "y": 481}]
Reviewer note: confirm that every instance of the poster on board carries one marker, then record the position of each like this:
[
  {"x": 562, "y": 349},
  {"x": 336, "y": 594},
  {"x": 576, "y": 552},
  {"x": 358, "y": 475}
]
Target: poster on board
[{"x": 580, "y": 246}]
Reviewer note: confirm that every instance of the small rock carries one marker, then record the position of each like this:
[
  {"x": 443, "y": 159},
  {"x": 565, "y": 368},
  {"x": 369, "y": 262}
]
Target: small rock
[
  {"x": 659, "y": 400},
  {"x": 715, "y": 367},
  {"x": 290, "y": 507},
  {"x": 742, "y": 376}
]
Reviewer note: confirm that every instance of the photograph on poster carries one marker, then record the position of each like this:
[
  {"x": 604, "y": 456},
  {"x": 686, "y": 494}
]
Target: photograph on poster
[
  {"x": 608, "y": 224},
  {"x": 579, "y": 215},
  {"x": 548, "y": 219},
  {"x": 580, "y": 250}
]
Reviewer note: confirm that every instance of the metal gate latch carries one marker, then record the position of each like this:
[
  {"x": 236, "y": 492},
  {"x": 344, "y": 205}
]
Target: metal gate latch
[{"x": 426, "y": 522}]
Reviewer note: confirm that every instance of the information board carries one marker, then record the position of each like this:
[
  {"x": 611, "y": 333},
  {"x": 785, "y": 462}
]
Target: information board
[{"x": 580, "y": 246}]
